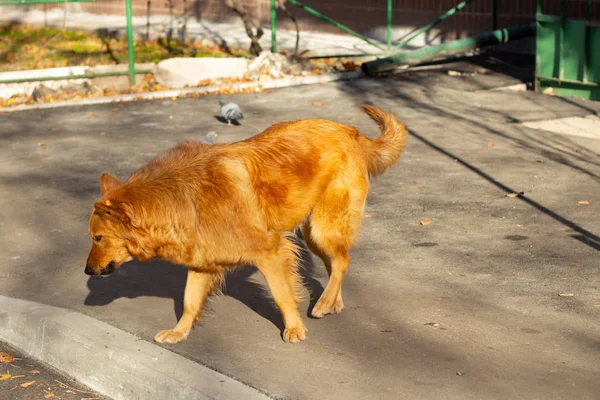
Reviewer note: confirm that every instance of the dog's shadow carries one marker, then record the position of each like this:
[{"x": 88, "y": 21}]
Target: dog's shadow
[{"x": 162, "y": 279}]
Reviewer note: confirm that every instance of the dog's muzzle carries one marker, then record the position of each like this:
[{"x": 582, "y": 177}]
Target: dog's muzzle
[{"x": 109, "y": 269}]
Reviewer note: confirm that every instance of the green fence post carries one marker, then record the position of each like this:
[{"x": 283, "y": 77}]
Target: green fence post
[
  {"x": 130, "y": 50},
  {"x": 447, "y": 49},
  {"x": 273, "y": 26}
]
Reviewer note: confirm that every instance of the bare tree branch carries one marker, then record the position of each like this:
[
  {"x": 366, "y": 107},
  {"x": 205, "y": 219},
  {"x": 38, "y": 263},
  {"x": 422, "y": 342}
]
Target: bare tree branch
[
  {"x": 250, "y": 23},
  {"x": 281, "y": 5}
]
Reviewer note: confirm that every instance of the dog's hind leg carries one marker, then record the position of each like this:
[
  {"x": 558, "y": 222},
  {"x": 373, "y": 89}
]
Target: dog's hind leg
[
  {"x": 279, "y": 267},
  {"x": 329, "y": 233},
  {"x": 198, "y": 286}
]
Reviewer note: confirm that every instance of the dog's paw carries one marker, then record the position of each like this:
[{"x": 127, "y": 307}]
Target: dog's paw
[
  {"x": 294, "y": 335},
  {"x": 170, "y": 336},
  {"x": 320, "y": 309}
]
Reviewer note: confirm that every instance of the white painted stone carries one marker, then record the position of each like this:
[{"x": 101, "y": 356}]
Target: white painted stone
[{"x": 178, "y": 72}]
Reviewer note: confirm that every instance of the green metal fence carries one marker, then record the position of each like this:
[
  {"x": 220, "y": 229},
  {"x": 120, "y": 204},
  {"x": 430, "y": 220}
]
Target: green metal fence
[
  {"x": 385, "y": 49},
  {"x": 131, "y": 72},
  {"x": 567, "y": 54}
]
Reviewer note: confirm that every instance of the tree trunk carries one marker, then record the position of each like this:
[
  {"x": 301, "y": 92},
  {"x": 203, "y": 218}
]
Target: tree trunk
[{"x": 250, "y": 23}]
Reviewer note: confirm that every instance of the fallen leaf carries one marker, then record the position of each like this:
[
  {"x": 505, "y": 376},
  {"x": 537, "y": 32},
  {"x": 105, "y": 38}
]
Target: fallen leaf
[
  {"x": 584, "y": 202},
  {"x": 107, "y": 203},
  {"x": 5, "y": 357},
  {"x": 573, "y": 265},
  {"x": 318, "y": 103},
  {"x": 42, "y": 144},
  {"x": 17, "y": 376},
  {"x": 49, "y": 395},
  {"x": 490, "y": 144},
  {"x": 33, "y": 371},
  {"x": 350, "y": 66},
  {"x": 511, "y": 195},
  {"x": 566, "y": 294},
  {"x": 27, "y": 384},
  {"x": 425, "y": 222},
  {"x": 4, "y": 377}
]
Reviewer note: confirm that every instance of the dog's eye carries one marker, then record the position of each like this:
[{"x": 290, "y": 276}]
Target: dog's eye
[{"x": 97, "y": 238}]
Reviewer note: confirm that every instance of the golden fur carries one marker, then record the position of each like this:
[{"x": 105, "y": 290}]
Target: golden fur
[{"x": 212, "y": 207}]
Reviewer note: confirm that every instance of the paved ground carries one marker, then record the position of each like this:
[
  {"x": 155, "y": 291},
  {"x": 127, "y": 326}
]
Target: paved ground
[
  {"x": 467, "y": 307},
  {"x": 22, "y": 378}
]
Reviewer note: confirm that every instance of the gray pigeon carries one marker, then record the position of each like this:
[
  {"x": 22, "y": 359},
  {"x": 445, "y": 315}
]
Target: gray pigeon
[
  {"x": 230, "y": 111},
  {"x": 210, "y": 138}
]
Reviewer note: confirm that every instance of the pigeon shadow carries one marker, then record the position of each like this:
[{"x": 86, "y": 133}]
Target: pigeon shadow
[
  {"x": 161, "y": 279},
  {"x": 223, "y": 120}
]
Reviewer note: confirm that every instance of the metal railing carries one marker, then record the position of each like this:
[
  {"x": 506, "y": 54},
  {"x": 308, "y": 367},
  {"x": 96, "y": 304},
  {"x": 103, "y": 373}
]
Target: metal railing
[
  {"x": 131, "y": 71},
  {"x": 386, "y": 49}
]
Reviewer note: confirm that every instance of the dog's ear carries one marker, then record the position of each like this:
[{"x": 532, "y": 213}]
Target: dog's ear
[
  {"x": 108, "y": 182},
  {"x": 112, "y": 211}
]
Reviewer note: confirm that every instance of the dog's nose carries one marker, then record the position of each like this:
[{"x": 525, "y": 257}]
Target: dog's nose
[
  {"x": 109, "y": 268},
  {"x": 88, "y": 270}
]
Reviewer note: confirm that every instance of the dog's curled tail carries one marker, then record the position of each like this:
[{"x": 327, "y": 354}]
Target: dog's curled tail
[{"x": 384, "y": 151}]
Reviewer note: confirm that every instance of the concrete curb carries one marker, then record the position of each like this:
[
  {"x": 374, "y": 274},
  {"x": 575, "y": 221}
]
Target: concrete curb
[
  {"x": 274, "y": 84},
  {"x": 108, "y": 360}
]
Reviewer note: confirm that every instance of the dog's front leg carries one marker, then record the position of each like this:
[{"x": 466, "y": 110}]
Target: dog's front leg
[{"x": 197, "y": 288}]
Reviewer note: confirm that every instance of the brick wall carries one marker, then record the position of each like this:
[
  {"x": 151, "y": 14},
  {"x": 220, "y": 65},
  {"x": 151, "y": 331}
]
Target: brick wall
[{"x": 367, "y": 16}]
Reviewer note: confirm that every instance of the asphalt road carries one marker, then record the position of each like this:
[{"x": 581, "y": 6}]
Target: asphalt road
[
  {"x": 22, "y": 378},
  {"x": 466, "y": 307}
]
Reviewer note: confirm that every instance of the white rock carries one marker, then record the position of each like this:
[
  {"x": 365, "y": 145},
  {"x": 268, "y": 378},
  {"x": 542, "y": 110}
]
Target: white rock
[{"x": 177, "y": 72}]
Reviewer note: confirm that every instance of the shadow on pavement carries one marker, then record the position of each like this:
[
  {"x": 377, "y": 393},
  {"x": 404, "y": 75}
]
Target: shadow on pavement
[{"x": 161, "y": 279}]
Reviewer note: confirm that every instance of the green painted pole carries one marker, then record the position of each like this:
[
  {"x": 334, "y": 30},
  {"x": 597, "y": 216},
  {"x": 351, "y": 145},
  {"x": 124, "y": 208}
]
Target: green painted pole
[
  {"x": 273, "y": 26},
  {"x": 426, "y": 28},
  {"x": 494, "y": 15},
  {"x": 446, "y": 49},
  {"x": 335, "y": 23},
  {"x": 389, "y": 23},
  {"x": 130, "y": 49}
]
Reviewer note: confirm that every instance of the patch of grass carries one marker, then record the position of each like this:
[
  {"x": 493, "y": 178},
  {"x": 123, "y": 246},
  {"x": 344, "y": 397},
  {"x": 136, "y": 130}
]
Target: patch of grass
[{"x": 25, "y": 47}]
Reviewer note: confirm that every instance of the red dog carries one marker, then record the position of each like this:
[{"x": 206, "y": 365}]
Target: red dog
[{"x": 211, "y": 208}]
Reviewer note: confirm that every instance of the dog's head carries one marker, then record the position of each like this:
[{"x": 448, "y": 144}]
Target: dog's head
[{"x": 110, "y": 227}]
